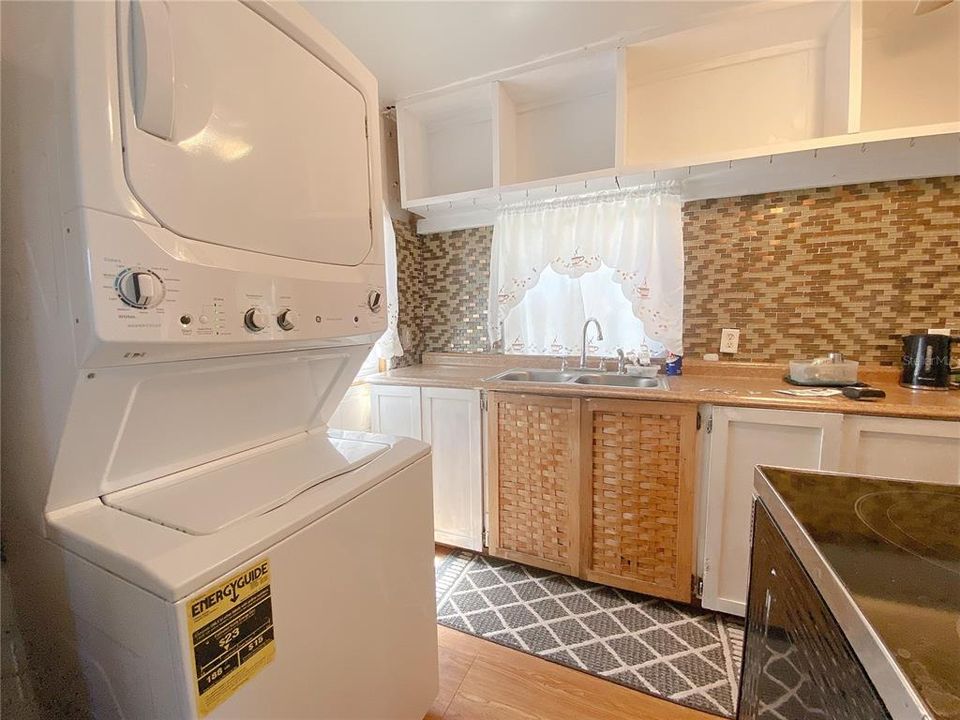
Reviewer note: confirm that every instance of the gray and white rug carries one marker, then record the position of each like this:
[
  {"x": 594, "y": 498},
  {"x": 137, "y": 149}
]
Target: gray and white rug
[
  {"x": 448, "y": 566},
  {"x": 681, "y": 653}
]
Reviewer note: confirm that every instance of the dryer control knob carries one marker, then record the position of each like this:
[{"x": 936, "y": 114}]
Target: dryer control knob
[
  {"x": 255, "y": 319},
  {"x": 375, "y": 300},
  {"x": 140, "y": 288},
  {"x": 288, "y": 319}
]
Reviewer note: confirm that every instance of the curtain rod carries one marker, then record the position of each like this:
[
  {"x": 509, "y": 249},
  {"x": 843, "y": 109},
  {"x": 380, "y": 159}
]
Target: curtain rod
[{"x": 670, "y": 187}]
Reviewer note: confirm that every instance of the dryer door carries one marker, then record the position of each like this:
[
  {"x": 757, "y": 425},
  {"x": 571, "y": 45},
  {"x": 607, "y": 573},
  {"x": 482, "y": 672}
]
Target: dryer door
[{"x": 234, "y": 134}]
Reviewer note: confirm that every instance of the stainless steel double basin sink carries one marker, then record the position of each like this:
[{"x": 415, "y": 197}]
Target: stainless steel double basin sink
[{"x": 580, "y": 377}]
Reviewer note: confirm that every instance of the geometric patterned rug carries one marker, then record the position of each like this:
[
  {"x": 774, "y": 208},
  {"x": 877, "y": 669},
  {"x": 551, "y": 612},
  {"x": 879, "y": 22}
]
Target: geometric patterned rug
[
  {"x": 677, "y": 652},
  {"x": 448, "y": 566}
]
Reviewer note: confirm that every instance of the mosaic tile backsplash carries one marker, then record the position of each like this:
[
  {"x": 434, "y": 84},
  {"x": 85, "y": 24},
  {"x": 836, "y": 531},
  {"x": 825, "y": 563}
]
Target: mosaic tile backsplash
[
  {"x": 410, "y": 289},
  {"x": 456, "y": 273},
  {"x": 849, "y": 268}
]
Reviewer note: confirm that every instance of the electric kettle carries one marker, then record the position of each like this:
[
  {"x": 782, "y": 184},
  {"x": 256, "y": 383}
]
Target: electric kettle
[{"x": 926, "y": 362}]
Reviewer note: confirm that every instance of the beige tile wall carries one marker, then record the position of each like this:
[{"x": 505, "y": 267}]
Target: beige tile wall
[{"x": 846, "y": 268}]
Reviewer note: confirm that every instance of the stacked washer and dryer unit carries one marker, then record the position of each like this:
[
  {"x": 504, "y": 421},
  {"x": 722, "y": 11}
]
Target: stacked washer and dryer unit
[{"x": 192, "y": 276}]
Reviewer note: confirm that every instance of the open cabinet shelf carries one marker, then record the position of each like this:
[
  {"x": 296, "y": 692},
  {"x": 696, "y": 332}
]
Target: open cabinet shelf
[
  {"x": 558, "y": 120},
  {"x": 911, "y": 65},
  {"x": 925, "y": 151},
  {"x": 782, "y": 96},
  {"x": 769, "y": 78},
  {"x": 446, "y": 144}
]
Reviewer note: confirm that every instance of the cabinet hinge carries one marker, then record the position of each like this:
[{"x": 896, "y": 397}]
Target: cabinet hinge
[
  {"x": 698, "y": 420},
  {"x": 710, "y": 424},
  {"x": 696, "y": 587},
  {"x": 486, "y": 538},
  {"x": 483, "y": 400}
]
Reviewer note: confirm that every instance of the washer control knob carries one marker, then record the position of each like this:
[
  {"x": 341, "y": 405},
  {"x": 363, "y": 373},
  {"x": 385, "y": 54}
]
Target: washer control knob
[
  {"x": 375, "y": 300},
  {"x": 140, "y": 288},
  {"x": 288, "y": 319},
  {"x": 255, "y": 319}
]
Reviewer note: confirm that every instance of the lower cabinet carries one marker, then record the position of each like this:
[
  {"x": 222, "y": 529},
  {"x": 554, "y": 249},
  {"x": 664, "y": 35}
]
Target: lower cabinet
[
  {"x": 533, "y": 467},
  {"x": 395, "y": 410},
  {"x": 450, "y": 420},
  {"x": 637, "y": 478},
  {"x": 927, "y": 450},
  {"x": 604, "y": 489},
  {"x": 741, "y": 438},
  {"x": 600, "y": 489}
]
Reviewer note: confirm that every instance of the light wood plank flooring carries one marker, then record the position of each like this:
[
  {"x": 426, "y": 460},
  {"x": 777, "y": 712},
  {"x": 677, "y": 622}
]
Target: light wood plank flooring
[{"x": 480, "y": 680}]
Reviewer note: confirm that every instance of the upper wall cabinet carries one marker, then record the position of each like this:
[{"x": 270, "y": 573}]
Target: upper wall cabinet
[
  {"x": 558, "y": 120},
  {"x": 769, "y": 78},
  {"x": 772, "y": 97},
  {"x": 911, "y": 65},
  {"x": 446, "y": 144}
]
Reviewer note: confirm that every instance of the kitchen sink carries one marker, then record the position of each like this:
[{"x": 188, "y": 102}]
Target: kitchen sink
[
  {"x": 548, "y": 376},
  {"x": 581, "y": 377},
  {"x": 621, "y": 381}
]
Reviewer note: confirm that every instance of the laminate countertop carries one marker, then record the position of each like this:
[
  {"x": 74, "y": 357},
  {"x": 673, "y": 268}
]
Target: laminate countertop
[{"x": 732, "y": 384}]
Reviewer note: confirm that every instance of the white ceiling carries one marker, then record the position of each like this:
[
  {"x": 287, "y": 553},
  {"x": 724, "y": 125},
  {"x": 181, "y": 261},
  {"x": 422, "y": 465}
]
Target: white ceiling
[{"x": 414, "y": 46}]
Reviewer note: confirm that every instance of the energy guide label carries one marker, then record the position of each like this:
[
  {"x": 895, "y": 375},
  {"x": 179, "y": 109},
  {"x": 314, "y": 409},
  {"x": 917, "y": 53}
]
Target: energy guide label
[{"x": 231, "y": 633}]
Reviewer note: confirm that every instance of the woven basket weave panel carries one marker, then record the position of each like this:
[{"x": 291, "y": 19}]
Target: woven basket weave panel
[
  {"x": 534, "y": 466},
  {"x": 636, "y": 496}
]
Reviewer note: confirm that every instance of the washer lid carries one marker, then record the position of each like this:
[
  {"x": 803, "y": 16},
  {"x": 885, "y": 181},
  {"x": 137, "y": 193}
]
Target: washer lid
[
  {"x": 235, "y": 134},
  {"x": 252, "y": 484}
]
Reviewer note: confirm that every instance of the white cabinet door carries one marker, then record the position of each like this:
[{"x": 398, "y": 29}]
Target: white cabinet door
[
  {"x": 353, "y": 412},
  {"x": 451, "y": 424},
  {"x": 741, "y": 438},
  {"x": 395, "y": 410},
  {"x": 926, "y": 450}
]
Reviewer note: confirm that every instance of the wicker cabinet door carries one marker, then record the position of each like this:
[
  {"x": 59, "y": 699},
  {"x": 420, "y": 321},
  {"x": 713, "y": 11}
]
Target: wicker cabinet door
[
  {"x": 534, "y": 482},
  {"x": 638, "y": 461}
]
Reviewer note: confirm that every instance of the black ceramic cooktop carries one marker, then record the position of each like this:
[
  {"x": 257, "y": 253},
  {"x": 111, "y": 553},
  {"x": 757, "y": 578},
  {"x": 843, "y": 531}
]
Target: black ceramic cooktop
[{"x": 896, "y": 548}]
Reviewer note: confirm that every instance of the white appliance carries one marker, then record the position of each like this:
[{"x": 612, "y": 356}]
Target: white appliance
[{"x": 193, "y": 274}]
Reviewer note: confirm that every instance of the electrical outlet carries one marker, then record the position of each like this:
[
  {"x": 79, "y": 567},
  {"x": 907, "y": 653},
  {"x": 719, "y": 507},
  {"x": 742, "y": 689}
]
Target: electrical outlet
[
  {"x": 729, "y": 340},
  {"x": 939, "y": 331}
]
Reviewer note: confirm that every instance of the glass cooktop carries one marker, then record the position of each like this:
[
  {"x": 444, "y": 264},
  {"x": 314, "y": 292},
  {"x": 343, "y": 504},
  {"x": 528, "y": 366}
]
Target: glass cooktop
[{"x": 896, "y": 548}]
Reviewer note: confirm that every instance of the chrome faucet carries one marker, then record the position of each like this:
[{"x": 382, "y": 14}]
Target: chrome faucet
[{"x": 583, "y": 347}]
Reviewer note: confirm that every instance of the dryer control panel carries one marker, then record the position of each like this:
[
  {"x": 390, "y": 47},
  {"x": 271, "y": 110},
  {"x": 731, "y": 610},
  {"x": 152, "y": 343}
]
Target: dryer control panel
[{"x": 157, "y": 296}]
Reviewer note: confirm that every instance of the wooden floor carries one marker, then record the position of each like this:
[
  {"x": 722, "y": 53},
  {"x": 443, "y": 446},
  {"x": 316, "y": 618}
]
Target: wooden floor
[{"x": 480, "y": 680}]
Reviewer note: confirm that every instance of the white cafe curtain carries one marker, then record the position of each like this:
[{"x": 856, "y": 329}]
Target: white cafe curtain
[
  {"x": 615, "y": 255},
  {"x": 388, "y": 346}
]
